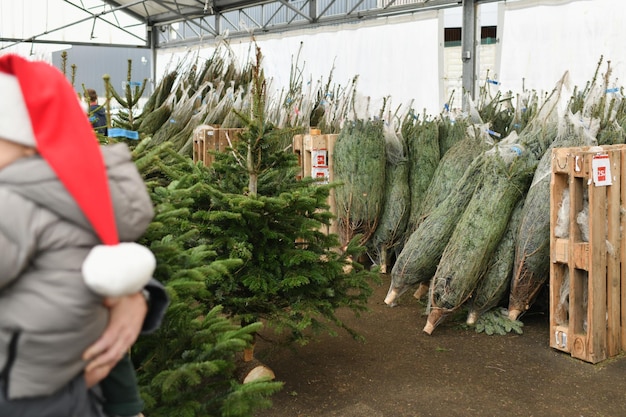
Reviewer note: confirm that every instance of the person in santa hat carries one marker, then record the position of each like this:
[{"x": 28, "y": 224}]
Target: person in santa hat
[{"x": 73, "y": 286}]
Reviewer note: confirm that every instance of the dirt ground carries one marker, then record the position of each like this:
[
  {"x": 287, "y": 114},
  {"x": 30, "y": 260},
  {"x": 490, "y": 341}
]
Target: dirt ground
[{"x": 400, "y": 371}]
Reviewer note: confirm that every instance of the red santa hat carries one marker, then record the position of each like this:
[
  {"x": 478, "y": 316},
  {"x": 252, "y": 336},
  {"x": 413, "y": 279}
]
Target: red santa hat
[{"x": 39, "y": 108}]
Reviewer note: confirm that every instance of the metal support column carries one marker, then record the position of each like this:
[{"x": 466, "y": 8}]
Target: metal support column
[
  {"x": 468, "y": 49},
  {"x": 153, "y": 39},
  {"x": 313, "y": 10}
]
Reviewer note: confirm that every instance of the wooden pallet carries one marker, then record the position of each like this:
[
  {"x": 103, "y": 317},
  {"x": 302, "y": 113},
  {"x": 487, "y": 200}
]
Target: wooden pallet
[
  {"x": 589, "y": 326},
  {"x": 209, "y": 139},
  {"x": 315, "y": 155}
]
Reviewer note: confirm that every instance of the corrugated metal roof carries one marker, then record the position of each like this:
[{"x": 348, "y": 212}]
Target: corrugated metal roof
[{"x": 156, "y": 12}]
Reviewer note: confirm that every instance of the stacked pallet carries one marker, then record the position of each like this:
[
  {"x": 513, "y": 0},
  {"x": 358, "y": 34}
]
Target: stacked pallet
[
  {"x": 588, "y": 252},
  {"x": 315, "y": 152},
  {"x": 208, "y": 139}
]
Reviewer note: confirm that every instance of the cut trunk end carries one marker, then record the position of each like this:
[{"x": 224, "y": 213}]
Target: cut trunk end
[
  {"x": 249, "y": 369},
  {"x": 390, "y": 300},
  {"x": 422, "y": 291},
  {"x": 472, "y": 318},
  {"x": 514, "y": 314},
  {"x": 434, "y": 318},
  {"x": 383, "y": 260},
  {"x": 253, "y": 370},
  {"x": 259, "y": 372}
]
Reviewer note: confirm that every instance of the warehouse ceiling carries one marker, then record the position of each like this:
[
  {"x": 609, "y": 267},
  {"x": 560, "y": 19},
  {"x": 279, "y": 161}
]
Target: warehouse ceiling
[{"x": 170, "y": 23}]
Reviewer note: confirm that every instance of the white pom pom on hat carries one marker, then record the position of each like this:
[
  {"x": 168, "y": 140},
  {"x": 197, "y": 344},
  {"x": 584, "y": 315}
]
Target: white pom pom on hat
[
  {"x": 38, "y": 107},
  {"x": 107, "y": 268}
]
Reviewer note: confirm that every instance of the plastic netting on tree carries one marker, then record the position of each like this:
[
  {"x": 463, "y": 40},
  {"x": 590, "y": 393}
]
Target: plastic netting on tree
[
  {"x": 532, "y": 251},
  {"x": 393, "y": 218},
  {"x": 493, "y": 288},
  {"x": 359, "y": 166},
  {"x": 420, "y": 255},
  {"x": 422, "y": 139},
  {"x": 452, "y": 166},
  {"x": 504, "y": 178}
]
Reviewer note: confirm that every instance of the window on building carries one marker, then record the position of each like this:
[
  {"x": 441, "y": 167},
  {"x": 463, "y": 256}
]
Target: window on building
[
  {"x": 488, "y": 35},
  {"x": 452, "y": 36}
]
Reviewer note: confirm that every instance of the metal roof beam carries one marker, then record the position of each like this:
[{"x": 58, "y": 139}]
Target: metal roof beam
[
  {"x": 137, "y": 16},
  {"x": 93, "y": 16},
  {"x": 324, "y": 18},
  {"x": 206, "y": 20}
]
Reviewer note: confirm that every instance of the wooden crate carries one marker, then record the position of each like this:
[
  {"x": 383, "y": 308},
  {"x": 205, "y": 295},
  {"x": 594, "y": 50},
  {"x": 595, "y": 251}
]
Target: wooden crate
[
  {"x": 208, "y": 139},
  {"x": 315, "y": 155},
  {"x": 591, "y": 325}
]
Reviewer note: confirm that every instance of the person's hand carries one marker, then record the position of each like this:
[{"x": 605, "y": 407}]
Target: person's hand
[{"x": 126, "y": 318}]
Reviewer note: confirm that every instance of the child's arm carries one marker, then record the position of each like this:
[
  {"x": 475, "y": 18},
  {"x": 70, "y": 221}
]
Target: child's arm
[
  {"x": 125, "y": 323},
  {"x": 17, "y": 236},
  {"x": 129, "y": 316},
  {"x": 10, "y": 264}
]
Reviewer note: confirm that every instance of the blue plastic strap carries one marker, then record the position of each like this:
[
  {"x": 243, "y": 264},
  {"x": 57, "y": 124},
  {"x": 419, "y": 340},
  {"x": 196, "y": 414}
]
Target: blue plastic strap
[
  {"x": 491, "y": 132},
  {"x": 116, "y": 132}
]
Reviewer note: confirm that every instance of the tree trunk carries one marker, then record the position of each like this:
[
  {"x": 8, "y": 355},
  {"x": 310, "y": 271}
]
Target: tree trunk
[{"x": 250, "y": 369}]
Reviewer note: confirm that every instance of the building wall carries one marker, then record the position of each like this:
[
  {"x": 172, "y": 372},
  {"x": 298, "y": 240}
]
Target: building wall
[
  {"x": 542, "y": 39},
  {"x": 92, "y": 63}
]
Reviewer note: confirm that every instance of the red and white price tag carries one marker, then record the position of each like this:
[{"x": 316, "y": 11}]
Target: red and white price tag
[
  {"x": 601, "y": 170},
  {"x": 321, "y": 174},
  {"x": 319, "y": 158}
]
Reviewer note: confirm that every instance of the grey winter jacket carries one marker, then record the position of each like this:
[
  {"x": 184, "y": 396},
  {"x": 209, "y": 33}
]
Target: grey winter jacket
[{"x": 48, "y": 317}]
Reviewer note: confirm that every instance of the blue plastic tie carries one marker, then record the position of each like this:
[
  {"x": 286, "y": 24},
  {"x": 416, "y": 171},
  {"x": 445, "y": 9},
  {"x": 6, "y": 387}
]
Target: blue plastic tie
[
  {"x": 116, "y": 132},
  {"x": 491, "y": 132}
]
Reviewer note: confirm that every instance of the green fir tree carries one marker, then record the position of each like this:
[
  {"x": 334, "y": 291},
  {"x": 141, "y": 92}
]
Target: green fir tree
[
  {"x": 188, "y": 367},
  {"x": 238, "y": 243},
  {"x": 126, "y": 117},
  {"x": 292, "y": 274}
]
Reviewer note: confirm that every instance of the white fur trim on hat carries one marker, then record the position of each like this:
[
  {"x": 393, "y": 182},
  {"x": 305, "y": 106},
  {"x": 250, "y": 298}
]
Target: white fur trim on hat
[
  {"x": 116, "y": 270},
  {"x": 15, "y": 122}
]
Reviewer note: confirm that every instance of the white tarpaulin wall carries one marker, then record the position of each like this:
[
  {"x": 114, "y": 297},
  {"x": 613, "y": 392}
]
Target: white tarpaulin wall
[
  {"x": 386, "y": 64},
  {"x": 398, "y": 60},
  {"x": 543, "y": 39},
  {"x": 538, "y": 41}
]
